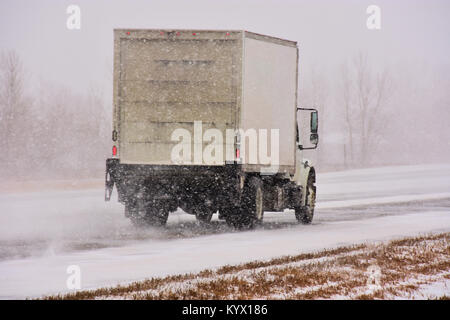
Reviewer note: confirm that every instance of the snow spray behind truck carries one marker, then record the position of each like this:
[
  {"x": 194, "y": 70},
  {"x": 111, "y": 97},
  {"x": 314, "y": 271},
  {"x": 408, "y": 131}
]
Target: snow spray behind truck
[{"x": 206, "y": 121}]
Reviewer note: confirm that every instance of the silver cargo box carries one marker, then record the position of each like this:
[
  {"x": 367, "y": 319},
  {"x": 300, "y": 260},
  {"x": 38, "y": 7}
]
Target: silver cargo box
[{"x": 167, "y": 79}]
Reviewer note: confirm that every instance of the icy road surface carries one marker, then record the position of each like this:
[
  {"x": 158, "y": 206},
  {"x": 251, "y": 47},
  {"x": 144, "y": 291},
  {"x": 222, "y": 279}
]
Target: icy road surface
[{"x": 41, "y": 234}]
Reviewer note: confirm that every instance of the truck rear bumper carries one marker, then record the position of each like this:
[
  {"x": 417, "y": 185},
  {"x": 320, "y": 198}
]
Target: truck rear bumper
[{"x": 130, "y": 179}]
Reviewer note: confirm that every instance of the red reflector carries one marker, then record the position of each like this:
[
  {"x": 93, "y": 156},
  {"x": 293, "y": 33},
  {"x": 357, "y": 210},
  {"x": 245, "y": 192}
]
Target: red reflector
[
  {"x": 228, "y": 33},
  {"x": 194, "y": 34},
  {"x": 238, "y": 153},
  {"x": 128, "y": 33},
  {"x": 114, "y": 151}
]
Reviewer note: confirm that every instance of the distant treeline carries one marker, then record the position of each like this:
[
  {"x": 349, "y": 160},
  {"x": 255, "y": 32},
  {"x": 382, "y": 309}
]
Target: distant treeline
[{"x": 49, "y": 132}]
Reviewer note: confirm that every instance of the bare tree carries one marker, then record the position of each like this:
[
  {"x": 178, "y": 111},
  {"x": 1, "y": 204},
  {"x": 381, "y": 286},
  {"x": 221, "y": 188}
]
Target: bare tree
[
  {"x": 13, "y": 110},
  {"x": 315, "y": 94},
  {"x": 56, "y": 134},
  {"x": 11, "y": 80},
  {"x": 365, "y": 95},
  {"x": 347, "y": 103}
]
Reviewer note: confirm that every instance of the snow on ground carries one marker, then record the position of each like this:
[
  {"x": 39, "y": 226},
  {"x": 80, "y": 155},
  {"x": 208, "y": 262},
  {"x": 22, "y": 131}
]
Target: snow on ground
[
  {"x": 42, "y": 233},
  {"x": 433, "y": 290},
  {"x": 411, "y": 268}
]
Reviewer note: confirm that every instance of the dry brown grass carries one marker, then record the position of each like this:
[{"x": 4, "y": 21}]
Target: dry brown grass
[{"x": 404, "y": 265}]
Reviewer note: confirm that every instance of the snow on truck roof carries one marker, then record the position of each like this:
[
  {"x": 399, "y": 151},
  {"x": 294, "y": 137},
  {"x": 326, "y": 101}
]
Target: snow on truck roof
[{"x": 196, "y": 32}]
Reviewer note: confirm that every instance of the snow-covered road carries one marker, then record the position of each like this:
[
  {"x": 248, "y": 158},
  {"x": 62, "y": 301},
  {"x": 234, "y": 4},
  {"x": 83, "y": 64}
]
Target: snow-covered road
[{"x": 41, "y": 234}]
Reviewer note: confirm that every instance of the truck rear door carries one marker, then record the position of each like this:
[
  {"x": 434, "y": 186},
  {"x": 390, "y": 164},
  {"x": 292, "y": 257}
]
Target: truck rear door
[{"x": 169, "y": 82}]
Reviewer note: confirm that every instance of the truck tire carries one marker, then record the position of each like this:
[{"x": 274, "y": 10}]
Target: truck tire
[
  {"x": 251, "y": 212},
  {"x": 305, "y": 214},
  {"x": 204, "y": 217},
  {"x": 147, "y": 215},
  {"x": 228, "y": 214}
]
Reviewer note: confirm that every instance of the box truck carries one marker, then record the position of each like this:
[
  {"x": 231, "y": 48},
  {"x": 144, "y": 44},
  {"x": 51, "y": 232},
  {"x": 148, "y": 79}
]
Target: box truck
[{"x": 207, "y": 121}]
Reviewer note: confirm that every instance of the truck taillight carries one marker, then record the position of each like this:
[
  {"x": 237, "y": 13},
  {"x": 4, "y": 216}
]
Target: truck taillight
[
  {"x": 237, "y": 140},
  {"x": 114, "y": 151}
]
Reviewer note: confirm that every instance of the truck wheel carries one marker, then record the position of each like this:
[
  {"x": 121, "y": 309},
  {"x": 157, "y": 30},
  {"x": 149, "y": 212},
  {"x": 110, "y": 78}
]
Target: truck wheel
[
  {"x": 304, "y": 214},
  {"x": 229, "y": 215},
  {"x": 142, "y": 216},
  {"x": 204, "y": 217},
  {"x": 252, "y": 208},
  {"x": 156, "y": 216}
]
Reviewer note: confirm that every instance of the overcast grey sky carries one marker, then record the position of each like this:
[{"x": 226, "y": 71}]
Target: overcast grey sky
[{"x": 327, "y": 31}]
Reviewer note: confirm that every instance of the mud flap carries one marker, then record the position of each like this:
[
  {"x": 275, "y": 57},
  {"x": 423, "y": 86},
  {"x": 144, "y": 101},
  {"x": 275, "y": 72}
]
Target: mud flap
[
  {"x": 109, "y": 186},
  {"x": 109, "y": 181},
  {"x": 292, "y": 195}
]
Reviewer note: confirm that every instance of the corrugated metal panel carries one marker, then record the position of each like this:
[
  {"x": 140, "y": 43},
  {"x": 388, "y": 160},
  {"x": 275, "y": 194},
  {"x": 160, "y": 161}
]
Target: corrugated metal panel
[{"x": 167, "y": 83}]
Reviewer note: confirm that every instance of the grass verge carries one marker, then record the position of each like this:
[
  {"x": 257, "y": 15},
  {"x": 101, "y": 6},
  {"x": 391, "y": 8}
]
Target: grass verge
[{"x": 395, "y": 269}]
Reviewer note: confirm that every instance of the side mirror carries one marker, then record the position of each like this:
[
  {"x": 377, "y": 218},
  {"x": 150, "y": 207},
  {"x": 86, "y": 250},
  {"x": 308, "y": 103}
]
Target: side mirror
[
  {"x": 314, "y": 122},
  {"x": 314, "y": 126}
]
